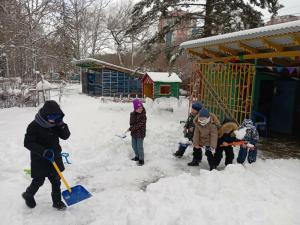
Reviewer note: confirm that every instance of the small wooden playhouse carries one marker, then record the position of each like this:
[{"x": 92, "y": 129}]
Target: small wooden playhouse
[{"x": 161, "y": 84}]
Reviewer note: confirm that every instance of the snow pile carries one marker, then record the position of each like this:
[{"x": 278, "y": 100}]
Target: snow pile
[
  {"x": 43, "y": 85},
  {"x": 164, "y": 191}
]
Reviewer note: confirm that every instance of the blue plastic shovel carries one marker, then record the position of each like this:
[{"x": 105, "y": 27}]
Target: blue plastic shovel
[{"x": 72, "y": 195}]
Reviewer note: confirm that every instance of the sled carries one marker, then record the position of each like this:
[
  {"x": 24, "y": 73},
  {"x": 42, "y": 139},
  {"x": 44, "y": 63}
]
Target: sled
[
  {"x": 74, "y": 194},
  {"x": 235, "y": 143}
]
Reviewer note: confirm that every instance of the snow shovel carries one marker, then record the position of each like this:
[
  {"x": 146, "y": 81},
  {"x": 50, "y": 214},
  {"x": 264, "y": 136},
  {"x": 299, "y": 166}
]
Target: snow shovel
[
  {"x": 235, "y": 143},
  {"x": 72, "y": 195},
  {"x": 122, "y": 135}
]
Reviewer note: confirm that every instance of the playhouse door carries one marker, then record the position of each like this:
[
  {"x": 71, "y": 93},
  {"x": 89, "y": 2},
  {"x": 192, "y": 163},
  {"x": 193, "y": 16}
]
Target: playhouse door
[
  {"x": 148, "y": 90},
  {"x": 283, "y": 106}
]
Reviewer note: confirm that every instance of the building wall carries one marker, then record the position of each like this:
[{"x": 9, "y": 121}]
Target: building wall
[
  {"x": 106, "y": 82},
  {"x": 278, "y": 99},
  {"x": 174, "y": 90}
]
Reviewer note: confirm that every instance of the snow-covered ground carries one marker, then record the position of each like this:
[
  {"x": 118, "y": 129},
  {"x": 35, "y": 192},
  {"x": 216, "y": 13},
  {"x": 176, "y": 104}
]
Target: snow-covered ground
[{"x": 162, "y": 192}]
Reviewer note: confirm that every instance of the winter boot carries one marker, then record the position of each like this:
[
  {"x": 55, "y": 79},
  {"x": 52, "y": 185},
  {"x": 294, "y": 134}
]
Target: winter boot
[
  {"x": 194, "y": 162},
  {"x": 179, "y": 153},
  {"x": 135, "y": 158},
  {"x": 29, "y": 199},
  {"x": 197, "y": 157},
  {"x": 57, "y": 202},
  {"x": 141, "y": 162}
]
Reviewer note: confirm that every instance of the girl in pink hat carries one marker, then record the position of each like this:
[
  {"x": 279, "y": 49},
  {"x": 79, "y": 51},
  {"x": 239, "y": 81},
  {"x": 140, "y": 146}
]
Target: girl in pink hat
[{"x": 138, "y": 130}]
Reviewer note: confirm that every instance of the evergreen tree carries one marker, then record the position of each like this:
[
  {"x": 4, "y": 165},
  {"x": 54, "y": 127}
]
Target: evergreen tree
[{"x": 213, "y": 17}]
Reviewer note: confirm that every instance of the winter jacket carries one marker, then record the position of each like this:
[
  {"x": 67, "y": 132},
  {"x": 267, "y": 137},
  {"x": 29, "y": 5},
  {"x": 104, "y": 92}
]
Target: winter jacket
[
  {"x": 226, "y": 132},
  {"x": 189, "y": 124},
  {"x": 252, "y": 135},
  {"x": 205, "y": 135},
  {"x": 138, "y": 124},
  {"x": 38, "y": 139}
]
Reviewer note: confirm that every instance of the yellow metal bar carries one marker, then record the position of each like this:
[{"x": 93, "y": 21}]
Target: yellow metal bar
[
  {"x": 61, "y": 176},
  {"x": 228, "y": 51},
  {"x": 210, "y": 53},
  {"x": 272, "y": 45}
]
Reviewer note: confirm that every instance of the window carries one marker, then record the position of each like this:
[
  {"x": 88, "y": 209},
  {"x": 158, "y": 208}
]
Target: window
[{"x": 165, "y": 89}]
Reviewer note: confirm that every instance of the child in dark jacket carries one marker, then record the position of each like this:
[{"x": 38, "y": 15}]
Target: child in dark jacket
[
  {"x": 189, "y": 128},
  {"x": 251, "y": 137},
  {"x": 138, "y": 130},
  {"x": 42, "y": 140},
  {"x": 226, "y": 136}
]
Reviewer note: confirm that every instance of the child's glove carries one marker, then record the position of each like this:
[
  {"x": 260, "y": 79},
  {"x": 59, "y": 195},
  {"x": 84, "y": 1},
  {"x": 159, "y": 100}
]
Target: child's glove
[
  {"x": 59, "y": 122},
  {"x": 209, "y": 148},
  {"x": 48, "y": 154},
  {"x": 251, "y": 146}
]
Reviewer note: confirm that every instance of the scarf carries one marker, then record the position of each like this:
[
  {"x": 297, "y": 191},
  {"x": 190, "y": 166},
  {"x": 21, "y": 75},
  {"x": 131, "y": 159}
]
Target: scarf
[
  {"x": 203, "y": 122},
  {"x": 42, "y": 122}
]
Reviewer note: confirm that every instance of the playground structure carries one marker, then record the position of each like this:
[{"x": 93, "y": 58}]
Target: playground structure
[{"x": 250, "y": 74}]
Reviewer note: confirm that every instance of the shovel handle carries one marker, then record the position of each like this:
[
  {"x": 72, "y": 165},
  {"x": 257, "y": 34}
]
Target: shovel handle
[{"x": 61, "y": 176}]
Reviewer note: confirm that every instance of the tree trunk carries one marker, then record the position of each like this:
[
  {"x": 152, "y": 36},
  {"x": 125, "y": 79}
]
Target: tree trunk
[{"x": 208, "y": 20}]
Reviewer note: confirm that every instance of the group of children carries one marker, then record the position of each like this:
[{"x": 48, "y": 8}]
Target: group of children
[
  {"x": 202, "y": 128},
  {"x": 205, "y": 132}
]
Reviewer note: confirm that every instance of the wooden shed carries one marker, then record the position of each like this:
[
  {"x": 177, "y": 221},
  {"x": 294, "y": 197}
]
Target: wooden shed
[
  {"x": 161, "y": 84},
  {"x": 252, "y": 73},
  {"x": 105, "y": 79}
]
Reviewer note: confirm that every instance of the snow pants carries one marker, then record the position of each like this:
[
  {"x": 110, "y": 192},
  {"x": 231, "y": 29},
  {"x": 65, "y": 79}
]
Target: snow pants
[
  {"x": 138, "y": 148},
  {"x": 36, "y": 183},
  {"x": 252, "y": 153},
  {"x": 229, "y": 155}
]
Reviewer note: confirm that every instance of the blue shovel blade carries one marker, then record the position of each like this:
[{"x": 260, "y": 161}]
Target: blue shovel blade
[{"x": 78, "y": 194}]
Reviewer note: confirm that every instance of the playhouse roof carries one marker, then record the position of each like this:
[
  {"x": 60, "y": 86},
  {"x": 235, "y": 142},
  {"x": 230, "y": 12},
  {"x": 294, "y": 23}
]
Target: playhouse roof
[
  {"x": 280, "y": 40},
  {"x": 164, "y": 77},
  {"x": 95, "y": 64}
]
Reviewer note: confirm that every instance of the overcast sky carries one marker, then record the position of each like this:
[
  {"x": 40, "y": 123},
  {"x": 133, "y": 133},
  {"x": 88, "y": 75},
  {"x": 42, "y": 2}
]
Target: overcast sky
[{"x": 290, "y": 7}]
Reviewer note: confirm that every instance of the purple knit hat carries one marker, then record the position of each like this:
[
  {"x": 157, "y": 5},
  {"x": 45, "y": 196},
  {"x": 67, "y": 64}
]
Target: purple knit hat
[{"x": 137, "y": 104}]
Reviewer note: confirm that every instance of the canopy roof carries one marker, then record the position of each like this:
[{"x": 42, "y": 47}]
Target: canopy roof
[
  {"x": 95, "y": 64},
  {"x": 281, "y": 41}
]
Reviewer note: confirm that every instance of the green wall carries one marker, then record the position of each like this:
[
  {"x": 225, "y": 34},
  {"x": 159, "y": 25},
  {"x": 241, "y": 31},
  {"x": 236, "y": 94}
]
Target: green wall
[{"x": 174, "y": 89}]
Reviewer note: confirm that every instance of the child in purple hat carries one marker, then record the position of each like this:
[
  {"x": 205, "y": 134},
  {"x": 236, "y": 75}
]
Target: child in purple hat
[{"x": 138, "y": 130}]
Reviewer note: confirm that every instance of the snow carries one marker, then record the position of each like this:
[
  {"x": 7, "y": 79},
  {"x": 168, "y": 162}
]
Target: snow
[
  {"x": 277, "y": 29},
  {"x": 43, "y": 85},
  {"x": 240, "y": 134},
  {"x": 164, "y": 191},
  {"x": 104, "y": 64},
  {"x": 164, "y": 77}
]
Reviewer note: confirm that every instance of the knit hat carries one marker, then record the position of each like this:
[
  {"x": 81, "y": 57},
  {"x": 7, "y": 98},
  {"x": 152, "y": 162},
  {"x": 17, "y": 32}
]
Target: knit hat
[
  {"x": 204, "y": 113},
  {"x": 137, "y": 104},
  {"x": 197, "y": 106}
]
